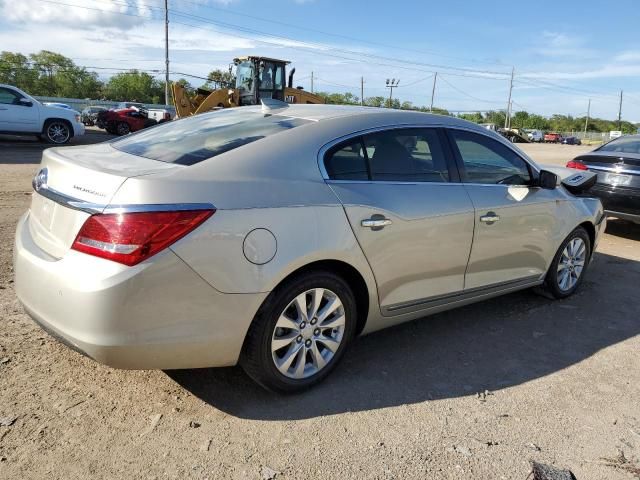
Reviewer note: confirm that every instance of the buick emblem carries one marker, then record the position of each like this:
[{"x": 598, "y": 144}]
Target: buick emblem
[{"x": 40, "y": 180}]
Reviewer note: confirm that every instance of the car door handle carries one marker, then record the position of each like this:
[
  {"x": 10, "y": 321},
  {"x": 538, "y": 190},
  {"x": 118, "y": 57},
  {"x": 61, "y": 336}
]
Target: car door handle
[
  {"x": 489, "y": 218},
  {"x": 4, "y": 108},
  {"x": 376, "y": 223}
]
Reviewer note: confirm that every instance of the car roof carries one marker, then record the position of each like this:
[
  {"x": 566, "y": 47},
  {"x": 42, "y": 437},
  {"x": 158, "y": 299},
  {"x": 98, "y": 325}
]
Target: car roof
[{"x": 323, "y": 112}]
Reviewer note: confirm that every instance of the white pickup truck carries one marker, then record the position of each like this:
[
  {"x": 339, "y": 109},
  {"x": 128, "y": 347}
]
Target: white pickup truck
[{"x": 21, "y": 114}]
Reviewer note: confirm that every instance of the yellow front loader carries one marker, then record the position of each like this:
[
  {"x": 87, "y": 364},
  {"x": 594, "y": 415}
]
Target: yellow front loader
[{"x": 256, "y": 78}]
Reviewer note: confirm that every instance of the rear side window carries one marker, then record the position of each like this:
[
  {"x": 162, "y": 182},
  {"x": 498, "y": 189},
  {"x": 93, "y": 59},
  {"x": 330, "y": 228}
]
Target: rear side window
[
  {"x": 347, "y": 161},
  {"x": 623, "y": 145},
  {"x": 406, "y": 155},
  {"x": 398, "y": 155},
  {"x": 194, "y": 139}
]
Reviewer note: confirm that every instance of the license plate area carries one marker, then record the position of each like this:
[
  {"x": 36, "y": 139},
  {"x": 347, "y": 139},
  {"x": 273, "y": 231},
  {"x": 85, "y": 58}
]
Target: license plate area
[
  {"x": 615, "y": 179},
  {"x": 42, "y": 210}
]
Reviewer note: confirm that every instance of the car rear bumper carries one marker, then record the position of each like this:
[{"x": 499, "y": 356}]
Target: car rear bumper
[
  {"x": 618, "y": 201},
  {"x": 156, "y": 315}
]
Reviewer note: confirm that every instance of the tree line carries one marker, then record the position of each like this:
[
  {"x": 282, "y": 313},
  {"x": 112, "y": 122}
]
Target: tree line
[
  {"x": 519, "y": 119},
  {"x": 51, "y": 74}
]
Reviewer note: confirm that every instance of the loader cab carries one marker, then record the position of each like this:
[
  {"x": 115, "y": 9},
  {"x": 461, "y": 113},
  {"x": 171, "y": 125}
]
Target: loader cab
[{"x": 259, "y": 77}]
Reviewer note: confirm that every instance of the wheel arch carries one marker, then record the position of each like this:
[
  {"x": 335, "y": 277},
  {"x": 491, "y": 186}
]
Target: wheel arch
[
  {"x": 351, "y": 275},
  {"x": 591, "y": 230}
]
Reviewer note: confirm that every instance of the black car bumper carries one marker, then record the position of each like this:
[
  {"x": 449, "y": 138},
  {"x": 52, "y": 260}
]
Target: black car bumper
[{"x": 621, "y": 202}]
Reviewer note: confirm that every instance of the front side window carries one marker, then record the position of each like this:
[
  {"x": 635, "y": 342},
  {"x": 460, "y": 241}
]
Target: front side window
[
  {"x": 200, "y": 137},
  {"x": 488, "y": 161},
  {"x": 267, "y": 75},
  {"x": 9, "y": 97},
  {"x": 244, "y": 76}
]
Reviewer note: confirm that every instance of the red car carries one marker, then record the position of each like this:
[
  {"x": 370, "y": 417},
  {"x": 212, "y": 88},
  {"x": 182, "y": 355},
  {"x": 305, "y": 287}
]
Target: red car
[
  {"x": 124, "y": 121},
  {"x": 552, "y": 137}
]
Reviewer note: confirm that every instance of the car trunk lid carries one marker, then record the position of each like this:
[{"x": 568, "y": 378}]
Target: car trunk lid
[
  {"x": 73, "y": 183},
  {"x": 617, "y": 169}
]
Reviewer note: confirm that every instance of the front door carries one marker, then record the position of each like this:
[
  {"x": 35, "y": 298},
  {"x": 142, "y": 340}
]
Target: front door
[
  {"x": 516, "y": 224},
  {"x": 411, "y": 217},
  {"x": 16, "y": 116}
]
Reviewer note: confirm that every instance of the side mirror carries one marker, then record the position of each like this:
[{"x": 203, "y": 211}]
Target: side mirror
[
  {"x": 547, "y": 180},
  {"x": 25, "y": 102}
]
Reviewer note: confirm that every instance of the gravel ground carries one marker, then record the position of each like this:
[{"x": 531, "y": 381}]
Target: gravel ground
[{"x": 476, "y": 392}]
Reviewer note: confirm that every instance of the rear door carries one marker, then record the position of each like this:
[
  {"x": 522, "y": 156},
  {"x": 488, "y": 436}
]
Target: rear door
[
  {"x": 516, "y": 224},
  {"x": 15, "y": 116},
  {"x": 411, "y": 216}
]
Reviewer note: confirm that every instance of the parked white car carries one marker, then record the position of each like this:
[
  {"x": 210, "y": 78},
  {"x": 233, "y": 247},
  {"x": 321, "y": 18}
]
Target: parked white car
[
  {"x": 535, "y": 135},
  {"x": 22, "y": 114}
]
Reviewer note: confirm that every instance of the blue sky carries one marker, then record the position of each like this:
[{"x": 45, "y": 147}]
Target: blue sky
[{"x": 563, "y": 52}]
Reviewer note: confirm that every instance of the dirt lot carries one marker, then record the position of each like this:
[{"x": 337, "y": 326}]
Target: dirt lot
[{"x": 472, "y": 393}]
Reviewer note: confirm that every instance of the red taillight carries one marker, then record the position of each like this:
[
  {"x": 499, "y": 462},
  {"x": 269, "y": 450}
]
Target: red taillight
[
  {"x": 577, "y": 164},
  {"x": 130, "y": 238}
]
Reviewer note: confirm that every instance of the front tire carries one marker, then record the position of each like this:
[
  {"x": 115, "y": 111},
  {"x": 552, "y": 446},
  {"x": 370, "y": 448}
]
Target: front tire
[
  {"x": 301, "y": 332},
  {"x": 569, "y": 265},
  {"x": 57, "y": 132}
]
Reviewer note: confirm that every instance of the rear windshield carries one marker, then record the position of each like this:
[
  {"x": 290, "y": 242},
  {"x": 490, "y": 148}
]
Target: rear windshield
[
  {"x": 194, "y": 139},
  {"x": 623, "y": 145}
]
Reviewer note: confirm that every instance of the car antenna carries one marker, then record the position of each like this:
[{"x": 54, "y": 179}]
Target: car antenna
[{"x": 269, "y": 104}]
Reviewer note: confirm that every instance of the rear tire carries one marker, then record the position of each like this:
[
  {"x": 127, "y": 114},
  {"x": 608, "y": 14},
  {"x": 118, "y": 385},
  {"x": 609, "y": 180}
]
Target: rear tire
[
  {"x": 122, "y": 128},
  {"x": 287, "y": 350},
  {"x": 569, "y": 265}
]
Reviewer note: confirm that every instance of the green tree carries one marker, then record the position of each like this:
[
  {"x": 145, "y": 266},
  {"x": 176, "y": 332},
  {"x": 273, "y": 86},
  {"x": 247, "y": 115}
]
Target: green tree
[
  {"x": 339, "y": 98},
  {"x": 15, "y": 70},
  {"x": 495, "y": 117},
  {"x": 59, "y": 76},
  {"x": 134, "y": 86},
  {"x": 220, "y": 79},
  {"x": 475, "y": 117}
]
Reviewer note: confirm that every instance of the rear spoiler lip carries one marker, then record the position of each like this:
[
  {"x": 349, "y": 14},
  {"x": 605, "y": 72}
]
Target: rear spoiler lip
[{"x": 93, "y": 208}]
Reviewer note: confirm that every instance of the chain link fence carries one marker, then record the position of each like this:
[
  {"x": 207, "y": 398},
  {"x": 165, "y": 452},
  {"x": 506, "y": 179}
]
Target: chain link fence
[{"x": 80, "y": 104}]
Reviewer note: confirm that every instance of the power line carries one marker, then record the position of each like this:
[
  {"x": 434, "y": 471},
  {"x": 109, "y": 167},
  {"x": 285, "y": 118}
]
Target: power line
[
  {"x": 337, "y": 35},
  {"x": 465, "y": 93},
  {"x": 309, "y": 47}
]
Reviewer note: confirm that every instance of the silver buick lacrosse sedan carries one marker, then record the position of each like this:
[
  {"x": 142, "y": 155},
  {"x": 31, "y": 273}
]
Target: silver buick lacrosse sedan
[{"x": 271, "y": 236}]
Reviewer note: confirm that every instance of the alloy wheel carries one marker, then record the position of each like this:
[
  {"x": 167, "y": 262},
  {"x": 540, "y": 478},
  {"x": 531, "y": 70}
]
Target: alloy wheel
[
  {"x": 308, "y": 333},
  {"x": 571, "y": 263},
  {"x": 58, "y": 132}
]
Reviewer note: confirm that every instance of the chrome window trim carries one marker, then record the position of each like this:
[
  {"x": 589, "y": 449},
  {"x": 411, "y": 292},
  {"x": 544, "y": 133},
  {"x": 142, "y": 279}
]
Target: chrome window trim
[
  {"x": 327, "y": 146},
  {"x": 612, "y": 170},
  {"x": 93, "y": 208}
]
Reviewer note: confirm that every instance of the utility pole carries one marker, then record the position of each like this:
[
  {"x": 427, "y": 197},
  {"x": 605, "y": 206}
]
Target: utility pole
[
  {"x": 166, "y": 52},
  {"x": 362, "y": 91},
  {"x": 312, "y": 81},
  {"x": 391, "y": 84},
  {"x": 586, "y": 122},
  {"x": 433, "y": 90},
  {"x": 620, "y": 113},
  {"x": 507, "y": 120}
]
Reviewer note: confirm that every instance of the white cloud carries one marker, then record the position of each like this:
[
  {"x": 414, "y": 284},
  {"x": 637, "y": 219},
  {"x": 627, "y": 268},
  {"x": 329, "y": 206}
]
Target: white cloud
[{"x": 80, "y": 14}]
